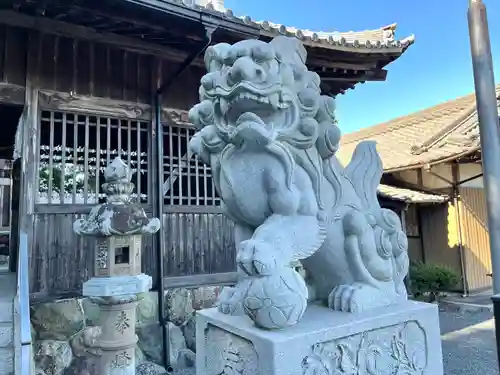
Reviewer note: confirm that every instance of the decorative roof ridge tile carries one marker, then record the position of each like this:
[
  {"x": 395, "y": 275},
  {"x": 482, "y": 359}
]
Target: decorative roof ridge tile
[{"x": 382, "y": 38}]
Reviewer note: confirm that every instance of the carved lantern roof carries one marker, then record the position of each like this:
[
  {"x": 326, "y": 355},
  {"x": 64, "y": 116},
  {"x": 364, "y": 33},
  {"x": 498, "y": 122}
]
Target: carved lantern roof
[{"x": 119, "y": 215}]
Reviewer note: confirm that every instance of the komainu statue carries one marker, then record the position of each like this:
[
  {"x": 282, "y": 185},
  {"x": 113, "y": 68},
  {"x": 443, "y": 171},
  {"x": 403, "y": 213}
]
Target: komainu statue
[{"x": 270, "y": 138}]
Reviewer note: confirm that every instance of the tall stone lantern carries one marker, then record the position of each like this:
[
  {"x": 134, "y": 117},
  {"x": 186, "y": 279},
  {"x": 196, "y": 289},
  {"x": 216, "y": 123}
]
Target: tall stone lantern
[{"x": 118, "y": 226}]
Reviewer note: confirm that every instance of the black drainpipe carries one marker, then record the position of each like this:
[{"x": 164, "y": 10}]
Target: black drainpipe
[{"x": 159, "y": 190}]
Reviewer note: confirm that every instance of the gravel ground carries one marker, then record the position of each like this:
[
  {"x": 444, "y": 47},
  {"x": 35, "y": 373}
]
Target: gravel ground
[
  {"x": 469, "y": 346},
  {"x": 468, "y": 339}
]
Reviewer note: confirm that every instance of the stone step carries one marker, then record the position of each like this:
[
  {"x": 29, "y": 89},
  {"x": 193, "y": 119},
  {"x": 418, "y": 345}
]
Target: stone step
[
  {"x": 7, "y": 294},
  {"x": 6, "y": 341}
]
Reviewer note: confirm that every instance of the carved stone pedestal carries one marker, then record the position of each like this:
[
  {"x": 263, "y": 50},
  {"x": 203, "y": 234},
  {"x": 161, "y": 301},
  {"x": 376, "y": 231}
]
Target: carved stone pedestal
[
  {"x": 117, "y": 319},
  {"x": 118, "y": 338},
  {"x": 400, "y": 339},
  {"x": 117, "y": 285}
]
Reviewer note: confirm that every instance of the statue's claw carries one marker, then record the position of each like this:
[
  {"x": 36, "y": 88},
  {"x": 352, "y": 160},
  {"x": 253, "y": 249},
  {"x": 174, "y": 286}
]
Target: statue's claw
[
  {"x": 256, "y": 258},
  {"x": 228, "y": 301},
  {"x": 357, "y": 297}
]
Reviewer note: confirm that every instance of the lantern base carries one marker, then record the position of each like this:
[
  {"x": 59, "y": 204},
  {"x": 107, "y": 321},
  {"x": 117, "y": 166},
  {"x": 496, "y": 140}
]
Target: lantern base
[{"x": 117, "y": 285}]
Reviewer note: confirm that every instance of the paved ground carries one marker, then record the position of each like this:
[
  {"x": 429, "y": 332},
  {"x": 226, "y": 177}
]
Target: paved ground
[
  {"x": 473, "y": 302},
  {"x": 468, "y": 339}
]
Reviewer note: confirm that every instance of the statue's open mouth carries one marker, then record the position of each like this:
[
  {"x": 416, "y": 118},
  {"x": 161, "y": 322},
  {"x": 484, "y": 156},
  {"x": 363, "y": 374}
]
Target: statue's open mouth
[{"x": 274, "y": 110}]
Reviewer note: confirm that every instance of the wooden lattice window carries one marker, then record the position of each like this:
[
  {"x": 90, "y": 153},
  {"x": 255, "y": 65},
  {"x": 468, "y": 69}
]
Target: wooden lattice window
[
  {"x": 187, "y": 181},
  {"x": 75, "y": 149}
]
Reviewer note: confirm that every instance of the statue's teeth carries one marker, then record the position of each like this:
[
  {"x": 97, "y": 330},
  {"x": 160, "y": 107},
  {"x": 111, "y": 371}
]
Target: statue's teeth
[
  {"x": 274, "y": 100},
  {"x": 224, "y": 105}
]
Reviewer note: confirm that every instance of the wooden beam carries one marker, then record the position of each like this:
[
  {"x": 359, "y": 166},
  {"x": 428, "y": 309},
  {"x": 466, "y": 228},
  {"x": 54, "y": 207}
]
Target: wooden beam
[
  {"x": 386, "y": 202},
  {"x": 60, "y": 28},
  {"x": 194, "y": 281},
  {"x": 169, "y": 182},
  {"x": 98, "y": 106},
  {"x": 380, "y": 75},
  {"x": 65, "y": 209},
  {"x": 12, "y": 94},
  {"x": 59, "y": 101},
  {"x": 170, "y": 209},
  {"x": 342, "y": 65},
  {"x": 420, "y": 177},
  {"x": 455, "y": 175},
  {"x": 129, "y": 20},
  {"x": 439, "y": 177},
  {"x": 205, "y": 16}
]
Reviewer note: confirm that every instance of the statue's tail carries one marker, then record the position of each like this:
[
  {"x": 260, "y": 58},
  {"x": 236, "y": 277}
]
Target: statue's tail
[{"x": 365, "y": 171}]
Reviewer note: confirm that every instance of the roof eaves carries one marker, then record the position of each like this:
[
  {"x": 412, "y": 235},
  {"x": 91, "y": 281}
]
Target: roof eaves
[
  {"x": 342, "y": 41},
  {"x": 206, "y": 15},
  {"x": 361, "y": 41},
  {"x": 432, "y": 162},
  {"x": 409, "y": 196}
]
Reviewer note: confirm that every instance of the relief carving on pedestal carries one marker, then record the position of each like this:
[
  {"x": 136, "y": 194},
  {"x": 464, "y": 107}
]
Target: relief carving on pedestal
[
  {"x": 395, "y": 350},
  {"x": 228, "y": 354}
]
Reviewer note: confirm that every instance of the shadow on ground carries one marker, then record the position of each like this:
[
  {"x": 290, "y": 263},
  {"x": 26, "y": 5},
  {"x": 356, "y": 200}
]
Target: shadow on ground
[{"x": 469, "y": 346}]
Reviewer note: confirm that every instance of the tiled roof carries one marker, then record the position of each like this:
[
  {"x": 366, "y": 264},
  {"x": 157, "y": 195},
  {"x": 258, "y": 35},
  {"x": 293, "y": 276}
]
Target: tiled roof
[
  {"x": 409, "y": 196},
  {"x": 383, "y": 38},
  {"x": 444, "y": 131},
  {"x": 379, "y": 40}
]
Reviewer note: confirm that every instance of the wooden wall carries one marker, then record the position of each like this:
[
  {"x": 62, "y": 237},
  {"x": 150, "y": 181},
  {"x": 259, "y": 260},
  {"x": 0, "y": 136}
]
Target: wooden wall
[
  {"x": 66, "y": 64},
  {"x": 13, "y": 63},
  {"x": 65, "y": 78},
  {"x": 440, "y": 236},
  {"x": 477, "y": 256},
  {"x": 61, "y": 261},
  {"x": 446, "y": 229}
]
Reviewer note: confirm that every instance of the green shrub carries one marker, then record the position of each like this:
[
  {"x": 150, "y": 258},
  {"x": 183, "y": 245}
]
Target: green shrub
[{"x": 428, "y": 281}]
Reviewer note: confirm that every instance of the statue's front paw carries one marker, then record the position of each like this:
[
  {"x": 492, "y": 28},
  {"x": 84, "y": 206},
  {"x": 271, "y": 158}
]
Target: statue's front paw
[
  {"x": 356, "y": 298},
  {"x": 228, "y": 301},
  {"x": 256, "y": 258}
]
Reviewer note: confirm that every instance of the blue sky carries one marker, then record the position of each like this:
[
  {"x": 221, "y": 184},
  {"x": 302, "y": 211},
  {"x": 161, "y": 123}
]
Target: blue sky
[{"x": 435, "y": 69}]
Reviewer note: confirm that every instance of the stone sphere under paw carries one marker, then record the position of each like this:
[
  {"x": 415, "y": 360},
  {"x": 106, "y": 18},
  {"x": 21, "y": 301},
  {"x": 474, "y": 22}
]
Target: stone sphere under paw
[{"x": 276, "y": 301}]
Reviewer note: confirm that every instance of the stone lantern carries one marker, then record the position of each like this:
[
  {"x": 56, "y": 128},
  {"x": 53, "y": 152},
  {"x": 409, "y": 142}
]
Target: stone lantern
[{"x": 118, "y": 226}]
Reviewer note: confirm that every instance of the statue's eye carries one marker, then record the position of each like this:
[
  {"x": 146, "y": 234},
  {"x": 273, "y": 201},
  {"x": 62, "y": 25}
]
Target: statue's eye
[
  {"x": 215, "y": 65},
  {"x": 230, "y": 58},
  {"x": 262, "y": 52}
]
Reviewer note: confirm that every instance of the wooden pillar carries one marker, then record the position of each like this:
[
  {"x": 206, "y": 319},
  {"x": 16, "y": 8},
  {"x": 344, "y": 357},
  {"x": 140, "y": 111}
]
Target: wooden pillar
[{"x": 30, "y": 140}]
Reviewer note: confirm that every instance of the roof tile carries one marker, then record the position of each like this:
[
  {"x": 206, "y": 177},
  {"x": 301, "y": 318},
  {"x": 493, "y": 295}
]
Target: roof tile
[
  {"x": 409, "y": 196},
  {"x": 435, "y": 133},
  {"x": 379, "y": 39}
]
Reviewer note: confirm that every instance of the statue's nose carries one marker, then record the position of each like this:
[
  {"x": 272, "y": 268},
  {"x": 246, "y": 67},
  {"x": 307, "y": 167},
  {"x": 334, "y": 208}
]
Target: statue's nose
[{"x": 245, "y": 69}]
